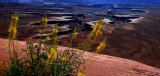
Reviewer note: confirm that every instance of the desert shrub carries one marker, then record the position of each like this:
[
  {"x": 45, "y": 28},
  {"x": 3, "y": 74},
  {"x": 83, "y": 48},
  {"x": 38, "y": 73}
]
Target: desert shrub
[{"x": 44, "y": 58}]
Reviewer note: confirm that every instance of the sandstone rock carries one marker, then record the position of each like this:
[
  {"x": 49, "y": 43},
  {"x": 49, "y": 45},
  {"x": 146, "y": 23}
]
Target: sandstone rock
[{"x": 100, "y": 65}]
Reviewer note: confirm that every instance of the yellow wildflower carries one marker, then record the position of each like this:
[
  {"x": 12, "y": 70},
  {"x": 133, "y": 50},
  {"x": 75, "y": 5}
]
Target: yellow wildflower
[
  {"x": 12, "y": 32},
  {"x": 55, "y": 31},
  {"x": 12, "y": 23},
  {"x": 44, "y": 20},
  {"x": 74, "y": 33},
  {"x": 52, "y": 55},
  {"x": 81, "y": 73},
  {"x": 15, "y": 16},
  {"x": 48, "y": 37},
  {"x": 65, "y": 57},
  {"x": 101, "y": 46},
  {"x": 13, "y": 27},
  {"x": 97, "y": 31},
  {"x": 102, "y": 17}
]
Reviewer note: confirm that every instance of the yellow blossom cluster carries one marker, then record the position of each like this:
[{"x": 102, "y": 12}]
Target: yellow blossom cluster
[
  {"x": 101, "y": 46},
  {"x": 93, "y": 36},
  {"x": 74, "y": 33},
  {"x": 13, "y": 27},
  {"x": 12, "y": 32},
  {"x": 55, "y": 31},
  {"x": 48, "y": 37},
  {"x": 97, "y": 31},
  {"x": 52, "y": 55},
  {"x": 44, "y": 20},
  {"x": 65, "y": 57},
  {"x": 15, "y": 16}
]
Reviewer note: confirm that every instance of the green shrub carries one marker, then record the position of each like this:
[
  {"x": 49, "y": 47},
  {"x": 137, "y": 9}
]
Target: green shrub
[{"x": 43, "y": 58}]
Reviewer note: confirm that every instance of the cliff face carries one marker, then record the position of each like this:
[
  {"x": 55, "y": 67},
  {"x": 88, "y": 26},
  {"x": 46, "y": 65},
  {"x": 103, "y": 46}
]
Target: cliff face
[{"x": 100, "y": 65}]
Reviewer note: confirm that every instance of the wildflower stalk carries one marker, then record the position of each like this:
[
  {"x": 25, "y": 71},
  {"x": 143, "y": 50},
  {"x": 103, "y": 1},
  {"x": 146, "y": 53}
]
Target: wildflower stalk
[
  {"x": 99, "y": 49},
  {"x": 74, "y": 33},
  {"x": 55, "y": 31},
  {"x": 93, "y": 36},
  {"x": 54, "y": 37},
  {"x": 12, "y": 33},
  {"x": 73, "y": 38},
  {"x": 44, "y": 23},
  {"x": 9, "y": 43}
]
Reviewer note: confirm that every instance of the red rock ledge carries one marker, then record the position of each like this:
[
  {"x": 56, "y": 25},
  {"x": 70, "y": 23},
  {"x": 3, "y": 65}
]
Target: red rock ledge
[{"x": 100, "y": 65}]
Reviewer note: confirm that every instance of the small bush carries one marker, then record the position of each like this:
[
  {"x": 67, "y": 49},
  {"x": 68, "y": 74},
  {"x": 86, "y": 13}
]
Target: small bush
[{"x": 43, "y": 58}]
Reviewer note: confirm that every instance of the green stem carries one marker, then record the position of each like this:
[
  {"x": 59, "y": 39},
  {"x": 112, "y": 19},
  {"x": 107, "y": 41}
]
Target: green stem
[
  {"x": 9, "y": 49},
  {"x": 88, "y": 59},
  {"x": 40, "y": 44},
  {"x": 14, "y": 55}
]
